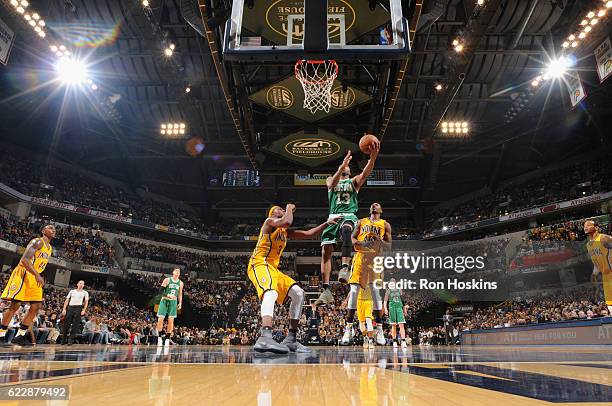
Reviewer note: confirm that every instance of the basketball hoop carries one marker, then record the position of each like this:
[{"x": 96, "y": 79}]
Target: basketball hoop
[{"x": 317, "y": 78}]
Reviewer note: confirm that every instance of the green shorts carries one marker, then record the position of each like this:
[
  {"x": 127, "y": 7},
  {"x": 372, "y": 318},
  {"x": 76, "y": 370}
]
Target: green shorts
[
  {"x": 396, "y": 313},
  {"x": 167, "y": 308},
  {"x": 331, "y": 234}
]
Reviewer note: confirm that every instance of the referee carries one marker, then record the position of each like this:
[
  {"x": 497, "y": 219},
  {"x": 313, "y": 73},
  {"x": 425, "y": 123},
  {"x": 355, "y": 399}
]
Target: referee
[{"x": 76, "y": 302}]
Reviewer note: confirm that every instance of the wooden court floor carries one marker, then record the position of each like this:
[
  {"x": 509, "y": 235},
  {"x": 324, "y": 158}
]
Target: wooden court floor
[{"x": 132, "y": 375}]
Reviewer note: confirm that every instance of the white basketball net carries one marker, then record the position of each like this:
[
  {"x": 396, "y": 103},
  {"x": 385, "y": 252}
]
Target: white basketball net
[{"x": 317, "y": 79}]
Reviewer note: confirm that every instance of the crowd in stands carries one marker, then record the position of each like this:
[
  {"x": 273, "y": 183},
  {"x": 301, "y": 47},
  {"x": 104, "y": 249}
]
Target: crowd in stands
[
  {"x": 54, "y": 182},
  {"x": 580, "y": 304},
  {"x": 578, "y": 180},
  {"x": 74, "y": 244}
]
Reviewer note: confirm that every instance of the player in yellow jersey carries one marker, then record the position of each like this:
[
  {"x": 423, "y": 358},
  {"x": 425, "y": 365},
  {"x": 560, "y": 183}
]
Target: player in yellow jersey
[
  {"x": 274, "y": 286},
  {"x": 600, "y": 250},
  {"x": 26, "y": 282},
  {"x": 370, "y": 237},
  {"x": 365, "y": 317}
]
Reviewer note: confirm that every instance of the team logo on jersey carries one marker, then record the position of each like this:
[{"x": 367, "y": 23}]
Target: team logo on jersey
[
  {"x": 312, "y": 148},
  {"x": 13, "y": 287},
  {"x": 279, "y": 12},
  {"x": 279, "y": 97},
  {"x": 342, "y": 100}
]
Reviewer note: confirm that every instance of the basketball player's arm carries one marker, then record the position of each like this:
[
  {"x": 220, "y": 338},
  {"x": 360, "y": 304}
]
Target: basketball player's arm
[
  {"x": 356, "y": 243},
  {"x": 303, "y": 234},
  {"x": 28, "y": 255},
  {"x": 386, "y": 301},
  {"x": 180, "y": 298},
  {"x": 387, "y": 240},
  {"x": 282, "y": 222},
  {"x": 333, "y": 180},
  {"x": 164, "y": 283},
  {"x": 360, "y": 179}
]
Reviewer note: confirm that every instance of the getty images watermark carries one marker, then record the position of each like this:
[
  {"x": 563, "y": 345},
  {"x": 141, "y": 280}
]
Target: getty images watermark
[{"x": 406, "y": 264}]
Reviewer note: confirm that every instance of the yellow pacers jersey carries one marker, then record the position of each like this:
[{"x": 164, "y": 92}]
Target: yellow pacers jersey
[
  {"x": 270, "y": 247},
  {"x": 41, "y": 257},
  {"x": 369, "y": 229},
  {"x": 600, "y": 254},
  {"x": 602, "y": 259}
]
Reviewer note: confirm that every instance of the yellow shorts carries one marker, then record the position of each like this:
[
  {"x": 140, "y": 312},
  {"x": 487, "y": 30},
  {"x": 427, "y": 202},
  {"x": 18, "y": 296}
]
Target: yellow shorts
[
  {"x": 364, "y": 310},
  {"x": 267, "y": 277},
  {"x": 22, "y": 287},
  {"x": 361, "y": 269}
]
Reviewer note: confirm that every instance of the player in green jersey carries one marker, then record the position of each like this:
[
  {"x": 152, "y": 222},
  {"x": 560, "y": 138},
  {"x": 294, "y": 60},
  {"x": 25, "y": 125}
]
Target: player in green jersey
[
  {"x": 171, "y": 301},
  {"x": 396, "y": 311},
  {"x": 342, "y": 190}
]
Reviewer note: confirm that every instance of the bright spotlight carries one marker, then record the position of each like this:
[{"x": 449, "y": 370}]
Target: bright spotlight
[
  {"x": 71, "y": 71},
  {"x": 609, "y": 4},
  {"x": 168, "y": 52},
  {"x": 556, "y": 68},
  {"x": 145, "y": 3},
  {"x": 14, "y": 3},
  {"x": 439, "y": 87}
]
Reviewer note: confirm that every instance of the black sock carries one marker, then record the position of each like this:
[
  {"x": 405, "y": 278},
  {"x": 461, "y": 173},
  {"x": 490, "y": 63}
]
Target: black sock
[
  {"x": 325, "y": 286},
  {"x": 350, "y": 315}
]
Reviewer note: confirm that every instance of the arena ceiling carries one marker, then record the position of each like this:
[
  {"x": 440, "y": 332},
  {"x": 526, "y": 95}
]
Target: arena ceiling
[{"x": 115, "y": 130}]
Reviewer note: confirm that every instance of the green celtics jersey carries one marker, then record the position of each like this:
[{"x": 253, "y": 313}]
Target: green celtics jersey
[
  {"x": 395, "y": 296},
  {"x": 343, "y": 198},
  {"x": 173, "y": 288}
]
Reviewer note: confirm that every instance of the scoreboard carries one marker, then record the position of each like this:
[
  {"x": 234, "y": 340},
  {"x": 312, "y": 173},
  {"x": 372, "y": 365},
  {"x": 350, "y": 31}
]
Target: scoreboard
[
  {"x": 386, "y": 177},
  {"x": 241, "y": 178}
]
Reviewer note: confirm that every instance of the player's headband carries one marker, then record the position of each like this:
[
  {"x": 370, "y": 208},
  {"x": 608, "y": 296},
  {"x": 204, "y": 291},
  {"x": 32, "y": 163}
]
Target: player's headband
[{"x": 271, "y": 210}]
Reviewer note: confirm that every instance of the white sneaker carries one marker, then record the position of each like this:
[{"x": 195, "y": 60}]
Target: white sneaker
[
  {"x": 160, "y": 341},
  {"x": 394, "y": 345},
  {"x": 347, "y": 337},
  {"x": 366, "y": 344},
  {"x": 167, "y": 342},
  {"x": 380, "y": 337},
  {"x": 370, "y": 344},
  {"x": 404, "y": 345}
]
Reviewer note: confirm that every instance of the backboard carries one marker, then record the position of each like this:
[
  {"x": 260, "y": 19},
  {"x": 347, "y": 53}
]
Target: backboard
[{"x": 287, "y": 30}]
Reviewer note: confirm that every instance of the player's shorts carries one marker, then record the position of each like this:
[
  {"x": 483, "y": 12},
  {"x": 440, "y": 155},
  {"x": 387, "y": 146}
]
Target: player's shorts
[
  {"x": 267, "y": 277},
  {"x": 331, "y": 234},
  {"x": 22, "y": 287},
  {"x": 364, "y": 310},
  {"x": 396, "y": 313},
  {"x": 167, "y": 308},
  {"x": 361, "y": 266}
]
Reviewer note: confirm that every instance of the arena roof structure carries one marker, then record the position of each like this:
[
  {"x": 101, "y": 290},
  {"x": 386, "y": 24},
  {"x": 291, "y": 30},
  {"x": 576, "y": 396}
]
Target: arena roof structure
[{"x": 161, "y": 62}]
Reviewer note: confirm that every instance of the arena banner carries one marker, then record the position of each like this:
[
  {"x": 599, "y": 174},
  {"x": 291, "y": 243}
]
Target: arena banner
[
  {"x": 53, "y": 204},
  {"x": 7, "y": 38},
  {"x": 110, "y": 216},
  {"x": 575, "y": 89},
  {"x": 96, "y": 269},
  {"x": 583, "y": 332},
  {"x": 311, "y": 148},
  {"x": 603, "y": 59},
  {"x": 310, "y": 179},
  {"x": 287, "y": 96}
]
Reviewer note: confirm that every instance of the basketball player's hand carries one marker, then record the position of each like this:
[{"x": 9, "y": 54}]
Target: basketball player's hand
[
  {"x": 334, "y": 221},
  {"x": 178, "y": 307},
  {"x": 347, "y": 159},
  {"x": 63, "y": 312},
  {"x": 374, "y": 150},
  {"x": 40, "y": 281},
  {"x": 290, "y": 207},
  {"x": 82, "y": 312}
]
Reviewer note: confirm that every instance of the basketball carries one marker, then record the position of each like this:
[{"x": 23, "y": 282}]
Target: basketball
[{"x": 367, "y": 142}]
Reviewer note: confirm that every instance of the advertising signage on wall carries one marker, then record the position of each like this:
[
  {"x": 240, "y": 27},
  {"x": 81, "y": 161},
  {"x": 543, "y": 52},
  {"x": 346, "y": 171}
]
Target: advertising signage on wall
[{"x": 311, "y": 148}]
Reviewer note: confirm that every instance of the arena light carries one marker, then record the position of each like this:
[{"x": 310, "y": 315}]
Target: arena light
[
  {"x": 71, "y": 71},
  {"x": 14, "y": 3},
  {"x": 172, "y": 128},
  {"x": 145, "y": 3},
  {"x": 439, "y": 87},
  {"x": 609, "y": 4},
  {"x": 480, "y": 2},
  {"x": 187, "y": 89},
  {"x": 168, "y": 52},
  {"x": 557, "y": 67}
]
